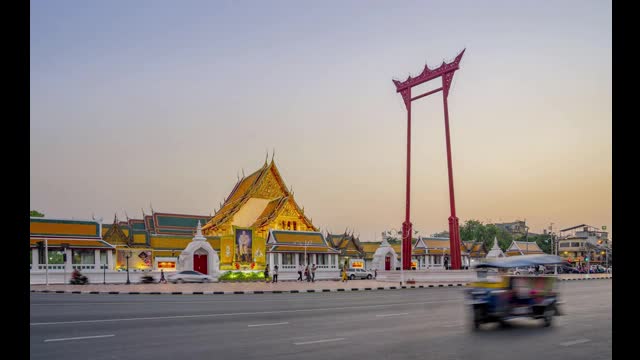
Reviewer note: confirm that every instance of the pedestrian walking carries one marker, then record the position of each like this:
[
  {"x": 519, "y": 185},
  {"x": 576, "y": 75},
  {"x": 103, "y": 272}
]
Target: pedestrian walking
[
  {"x": 266, "y": 273},
  {"x": 375, "y": 273},
  {"x": 313, "y": 273},
  {"x": 162, "y": 279},
  {"x": 299, "y": 273},
  {"x": 344, "y": 275},
  {"x": 307, "y": 276},
  {"x": 275, "y": 274}
]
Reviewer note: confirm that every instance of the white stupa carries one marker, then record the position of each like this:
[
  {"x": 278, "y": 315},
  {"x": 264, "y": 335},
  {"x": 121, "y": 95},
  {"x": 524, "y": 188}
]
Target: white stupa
[
  {"x": 199, "y": 246},
  {"x": 495, "y": 251},
  {"x": 381, "y": 253}
]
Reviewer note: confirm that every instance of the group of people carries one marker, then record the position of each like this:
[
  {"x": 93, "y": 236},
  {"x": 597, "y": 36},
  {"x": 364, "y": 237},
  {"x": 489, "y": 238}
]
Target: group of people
[
  {"x": 275, "y": 274},
  {"x": 309, "y": 273}
]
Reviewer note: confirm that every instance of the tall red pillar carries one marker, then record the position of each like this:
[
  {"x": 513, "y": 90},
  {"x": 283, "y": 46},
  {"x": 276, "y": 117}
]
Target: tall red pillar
[{"x": 446, "y": 71}]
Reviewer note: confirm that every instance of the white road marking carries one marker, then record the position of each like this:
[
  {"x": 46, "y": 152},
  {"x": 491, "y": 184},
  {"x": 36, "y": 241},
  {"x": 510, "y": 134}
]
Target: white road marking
[
  {"x": 575, "y": 342},
  {"x": 242, "y": 313},
  {"x": 318, "y": 341},
  {"x": 280, "y": 323},
  {"x": 80, "y": 338},
  {"x": 383, "y": 315}
]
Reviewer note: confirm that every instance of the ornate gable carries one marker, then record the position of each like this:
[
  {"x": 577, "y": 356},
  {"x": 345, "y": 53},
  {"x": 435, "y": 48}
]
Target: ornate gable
[{"x": 115, "y": 236}]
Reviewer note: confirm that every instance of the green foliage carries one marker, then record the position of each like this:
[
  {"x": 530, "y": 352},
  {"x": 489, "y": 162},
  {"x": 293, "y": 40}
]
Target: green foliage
[
  {"x": 242, "y": 276},
  {"x": 474, "y": 230},
  {"x": 35, "y": 213}
]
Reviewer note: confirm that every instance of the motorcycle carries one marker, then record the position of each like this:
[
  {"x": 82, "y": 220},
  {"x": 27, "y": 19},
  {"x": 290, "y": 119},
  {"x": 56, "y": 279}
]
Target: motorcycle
[
  {"x": 78, "y": 279},
  {"x": 147, "y": 279}
]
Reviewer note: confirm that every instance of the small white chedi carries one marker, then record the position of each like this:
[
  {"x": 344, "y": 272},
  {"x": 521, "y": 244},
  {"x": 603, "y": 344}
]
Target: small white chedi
[
  {"x": 200, "y": 246},
  {"x": 381, "y": 253}
]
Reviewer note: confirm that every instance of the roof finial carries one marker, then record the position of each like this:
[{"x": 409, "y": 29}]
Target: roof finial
[
  {"x": 143, "y": 215},
  {"x": 243, "y": 173},
  {"x": 115, "y": 218},
  {"x": 266, "y": 157},
  {"x": 93, "y": 217},
  {"x": 126, "y": 215},
  {"x": 273, "y": 154},
  {"x": 151, "y": 206}
]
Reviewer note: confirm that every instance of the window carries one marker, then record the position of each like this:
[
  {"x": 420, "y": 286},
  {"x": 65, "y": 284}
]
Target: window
[
  {"x": 103, "y": 257},
  {"x": 56, "y": 256},
  {"x": 322, "y": 259},
  {"x": 287, "y": 259},
  {"x": 575, "y": 244},
  {"x": 295, "y": 226},
  {"x": 83, "y": 256},
  {"x": 565, "y": 245}
]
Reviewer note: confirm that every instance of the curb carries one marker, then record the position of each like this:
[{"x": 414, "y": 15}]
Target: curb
[{"x": 306, "y": 291}]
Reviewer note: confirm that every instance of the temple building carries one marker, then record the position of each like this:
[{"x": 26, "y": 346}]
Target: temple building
[
  {"x": 259, "y": 223},
  {"x": 351, "y": 251},
  {"x": 523, "y": 248}
]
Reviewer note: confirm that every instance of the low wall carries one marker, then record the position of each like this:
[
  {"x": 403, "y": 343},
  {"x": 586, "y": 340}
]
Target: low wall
[
  {"x": 120, "y": 277},
  {"x": 428, "y": 275}
]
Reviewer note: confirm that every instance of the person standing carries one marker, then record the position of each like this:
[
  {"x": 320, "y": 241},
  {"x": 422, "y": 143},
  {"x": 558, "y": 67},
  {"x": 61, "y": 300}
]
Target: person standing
[
  {"x": 375, "y": 273},
  {"x": 266, "y": 273},
  {"x": 313, "y": 273},
  {"x": 306, "y": 273},
  {"x": 344, "y": 275},
  {"x": 299, "y": 273},
  {"x": 275, "y": 274},
  {"x": 162, "y": 279}
]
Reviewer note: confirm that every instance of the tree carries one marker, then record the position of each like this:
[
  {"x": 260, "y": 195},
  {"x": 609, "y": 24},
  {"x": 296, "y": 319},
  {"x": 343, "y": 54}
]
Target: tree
[
  {"x": 474, "y": 230},
  {"x": 35, "y": 213}
]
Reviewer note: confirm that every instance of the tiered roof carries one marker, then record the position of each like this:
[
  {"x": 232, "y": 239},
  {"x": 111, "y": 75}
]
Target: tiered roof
[
  {"x": 523, "y": 248},
  {"x": 256, "y": 200}
]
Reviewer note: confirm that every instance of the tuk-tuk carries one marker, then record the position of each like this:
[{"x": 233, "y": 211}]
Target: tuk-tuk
[{"x": 503, "y": 296}]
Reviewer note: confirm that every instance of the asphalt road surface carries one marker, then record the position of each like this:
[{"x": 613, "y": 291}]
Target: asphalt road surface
[{"x": 427, "y": 323}]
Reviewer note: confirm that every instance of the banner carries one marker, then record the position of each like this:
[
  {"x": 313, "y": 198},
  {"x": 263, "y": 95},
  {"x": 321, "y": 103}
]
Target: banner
[
  {"x": 244, "y": 245},
  {"x": 227, "y": 250},
  {"x": 259, "y": 251}
]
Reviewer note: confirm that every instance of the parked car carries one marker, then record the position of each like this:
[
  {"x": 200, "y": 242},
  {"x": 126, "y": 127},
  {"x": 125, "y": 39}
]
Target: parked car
[
  {"x": 598, "y": 269},
  {"x": 188, "y": 276},
  {"x": 523, "y": 271},
  {"x": 359, "y": 274}
]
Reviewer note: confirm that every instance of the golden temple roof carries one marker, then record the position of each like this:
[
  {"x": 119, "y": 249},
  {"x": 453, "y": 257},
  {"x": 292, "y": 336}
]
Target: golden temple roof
[{"x": 267, "y": 195}]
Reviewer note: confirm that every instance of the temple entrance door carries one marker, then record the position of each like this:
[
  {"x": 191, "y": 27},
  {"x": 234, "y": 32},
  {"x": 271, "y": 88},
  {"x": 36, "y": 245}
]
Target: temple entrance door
[
  {"x": 200, "y": 263},
  {"x": 387, "y": 263}
]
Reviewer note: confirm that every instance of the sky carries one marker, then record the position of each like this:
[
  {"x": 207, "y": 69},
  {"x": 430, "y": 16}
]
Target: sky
[{"x": 164, "y": 104}]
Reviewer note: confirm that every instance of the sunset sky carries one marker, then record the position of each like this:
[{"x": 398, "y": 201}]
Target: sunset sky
[{"x": 165, "y": 102}]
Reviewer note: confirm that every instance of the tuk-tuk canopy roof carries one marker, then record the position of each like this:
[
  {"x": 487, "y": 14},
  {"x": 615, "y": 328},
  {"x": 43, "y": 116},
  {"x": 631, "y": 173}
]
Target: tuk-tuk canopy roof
[{"x": 522, "y": 261}]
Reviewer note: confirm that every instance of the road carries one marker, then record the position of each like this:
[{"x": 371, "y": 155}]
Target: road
[{"x": 402, "y": 324}]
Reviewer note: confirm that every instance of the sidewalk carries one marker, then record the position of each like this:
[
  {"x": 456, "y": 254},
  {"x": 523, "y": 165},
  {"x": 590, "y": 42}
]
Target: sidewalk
[{"x": 259, "y": 288}]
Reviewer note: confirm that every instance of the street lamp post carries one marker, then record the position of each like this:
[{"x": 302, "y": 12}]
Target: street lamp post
[{"x": 128, "y": 255}]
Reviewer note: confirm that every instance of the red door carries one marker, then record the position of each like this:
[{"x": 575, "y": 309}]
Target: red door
[
  {"x": 200, "y": 263},
  {"x": 387, "y": 263}
]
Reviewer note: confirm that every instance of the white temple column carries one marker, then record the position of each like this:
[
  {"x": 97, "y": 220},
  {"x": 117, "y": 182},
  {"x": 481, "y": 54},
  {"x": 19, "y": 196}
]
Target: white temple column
[
  {"x": 110, "y": 263},
  {"x": 68, "y": 264},
  {"x": 96, "y": 259},
  {"x": 34, "y": 259}
]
